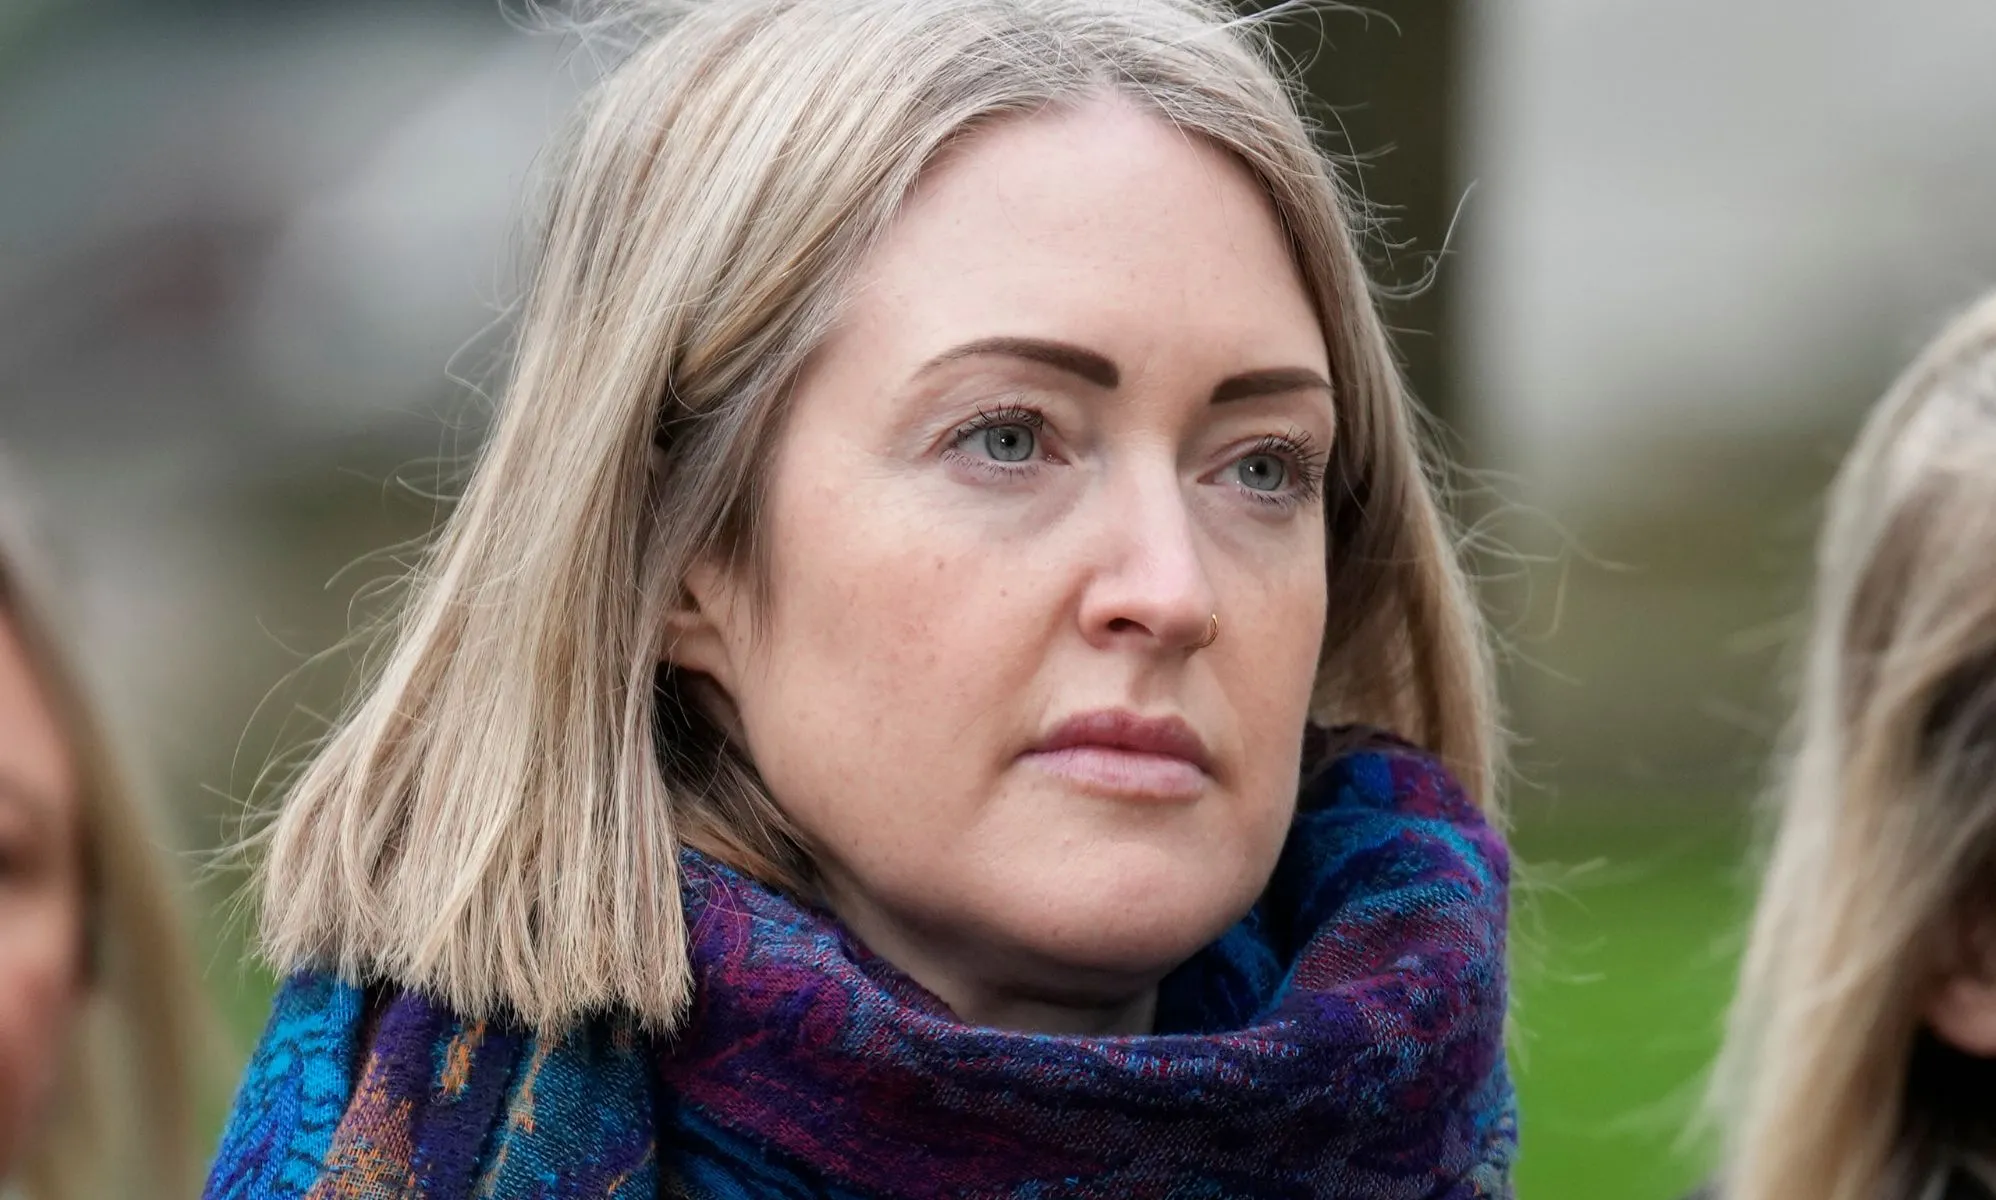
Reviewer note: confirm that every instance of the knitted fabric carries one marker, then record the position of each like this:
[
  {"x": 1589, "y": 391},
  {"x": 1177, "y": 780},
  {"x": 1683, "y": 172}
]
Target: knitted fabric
[{"x": 1344, "y": 1040}]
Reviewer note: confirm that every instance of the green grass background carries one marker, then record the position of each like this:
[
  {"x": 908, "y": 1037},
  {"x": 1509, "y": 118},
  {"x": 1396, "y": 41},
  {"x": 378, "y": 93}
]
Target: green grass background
[{"x": 1625, "y": 941}]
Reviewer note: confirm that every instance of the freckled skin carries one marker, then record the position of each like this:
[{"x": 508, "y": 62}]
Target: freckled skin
[
  {"x": 935, "y": 614},
  {"x": 41, "y": 900}
]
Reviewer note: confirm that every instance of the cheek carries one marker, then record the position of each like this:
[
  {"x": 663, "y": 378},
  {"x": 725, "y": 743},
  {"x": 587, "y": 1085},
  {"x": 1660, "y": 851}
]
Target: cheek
[
  {"x": 40, "y": 995},
  {"x": 1266, "y": 663},
  {"x": 896, "y": 658},
  {"x": 1267, "y": 654}
]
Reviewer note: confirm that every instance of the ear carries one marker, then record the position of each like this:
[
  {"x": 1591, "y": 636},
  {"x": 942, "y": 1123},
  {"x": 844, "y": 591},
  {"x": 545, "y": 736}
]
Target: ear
[
  {"x": 1962, "y": 1011},
  {"x": 1963, "y": 1014},
  {"x": 702, "y": 635},
  {"x": 704, "y": 642}
]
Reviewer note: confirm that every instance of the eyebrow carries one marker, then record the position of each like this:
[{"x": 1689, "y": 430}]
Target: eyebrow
[
  {"x": 1274, "y": 381},
  {"x": 1059, "y": 355},
  {"x": 1103, "y": 373}
]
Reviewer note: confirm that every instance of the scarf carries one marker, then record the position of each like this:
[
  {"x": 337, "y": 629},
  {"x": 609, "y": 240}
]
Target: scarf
[{"x": 1344, "y": 1040}]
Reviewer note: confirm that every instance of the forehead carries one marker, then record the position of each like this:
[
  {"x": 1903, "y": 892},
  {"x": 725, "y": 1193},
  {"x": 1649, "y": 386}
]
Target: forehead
[
  {"x": 1093, "y": 222},
  {"x": 35, "y": 762}
]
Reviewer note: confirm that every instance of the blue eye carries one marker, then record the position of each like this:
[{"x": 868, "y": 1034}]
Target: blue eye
[
  {"x": 1009, "y": 436},
  {"x": 1009, "y": 443},
  {"x": 1262, "y": 472},
  {"x": 1281, "y": 470}
]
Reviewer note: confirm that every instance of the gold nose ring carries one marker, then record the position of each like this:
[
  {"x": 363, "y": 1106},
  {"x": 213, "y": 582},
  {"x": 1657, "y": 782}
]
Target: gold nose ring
[{"x": 1212, "y": 633}]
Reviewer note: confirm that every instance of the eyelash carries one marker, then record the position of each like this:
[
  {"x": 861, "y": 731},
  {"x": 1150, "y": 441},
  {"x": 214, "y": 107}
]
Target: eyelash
[
  {"x": 1298, "y": 451},
  {"x": 1296, "y": 448},
  {"x": 995, "y": 418}
]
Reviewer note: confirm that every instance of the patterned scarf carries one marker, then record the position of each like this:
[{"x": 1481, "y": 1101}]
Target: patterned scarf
[{"x": 1344, "y": 1040}]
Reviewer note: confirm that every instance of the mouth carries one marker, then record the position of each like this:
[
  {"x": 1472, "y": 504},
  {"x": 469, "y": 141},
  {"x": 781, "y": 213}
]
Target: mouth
[{"x": 1120, "y": 754}]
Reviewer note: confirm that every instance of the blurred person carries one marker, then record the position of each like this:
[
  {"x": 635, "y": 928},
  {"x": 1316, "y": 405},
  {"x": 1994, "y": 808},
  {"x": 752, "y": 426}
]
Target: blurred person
[
  {"x": 899, "y": 709},
  {"x": 1858, "y": 1065},
  {"x": 99, "y": 1010}
]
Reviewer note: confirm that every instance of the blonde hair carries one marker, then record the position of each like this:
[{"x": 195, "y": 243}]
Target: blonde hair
[
  {"x": 125, "y": 1103},
  {"x": 496, "y": 820},
  {"x": 1887, "y": 824}
]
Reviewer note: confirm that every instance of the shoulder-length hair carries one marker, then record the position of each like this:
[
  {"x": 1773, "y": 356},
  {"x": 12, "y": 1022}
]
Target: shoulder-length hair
[
  {"x": 1885, "y": 845},
  {"x": 496, "y": 820},
  {"x": 125, "y": 1102}
]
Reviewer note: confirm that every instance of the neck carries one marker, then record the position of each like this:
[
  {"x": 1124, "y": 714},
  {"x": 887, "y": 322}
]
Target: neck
[
  {"x": 986, "y": 986},
  {"x": 1029, "y": 1013}
]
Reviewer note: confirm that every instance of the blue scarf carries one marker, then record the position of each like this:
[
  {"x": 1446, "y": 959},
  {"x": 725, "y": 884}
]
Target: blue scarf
[{"x": 1344, "y": 1040}]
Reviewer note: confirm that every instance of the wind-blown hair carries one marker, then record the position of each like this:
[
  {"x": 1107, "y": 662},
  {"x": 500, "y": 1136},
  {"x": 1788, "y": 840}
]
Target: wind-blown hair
[
  {"x": 496, "y": 820},
  {"x": 1885, "y": 851},
  {"x": 125, "y": 1102}
]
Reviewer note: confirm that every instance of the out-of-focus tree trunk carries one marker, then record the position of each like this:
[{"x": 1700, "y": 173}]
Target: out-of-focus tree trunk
[{"x": 1387, "y": 81}]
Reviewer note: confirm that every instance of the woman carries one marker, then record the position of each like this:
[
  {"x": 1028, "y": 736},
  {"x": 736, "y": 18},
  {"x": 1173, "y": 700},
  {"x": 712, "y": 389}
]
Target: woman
[
  {"x": 847, "y": 740},
  {"x": 1858, "y": 1066},
  {"x": 98, "y": 1008}
]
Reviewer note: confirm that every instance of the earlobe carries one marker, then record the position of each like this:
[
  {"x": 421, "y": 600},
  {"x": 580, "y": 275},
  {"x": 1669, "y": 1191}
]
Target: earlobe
[
  {"x": 1963, "y": 1014},
  {"x": 695, "y": 635},
  {"x": 692, "y": 642},
  {"x": 692, "y": 638},
  {"x": 698, "y": 647}
]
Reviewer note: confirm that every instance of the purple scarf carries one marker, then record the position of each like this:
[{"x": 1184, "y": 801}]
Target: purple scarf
[{"x": 1344, "y": 1040}]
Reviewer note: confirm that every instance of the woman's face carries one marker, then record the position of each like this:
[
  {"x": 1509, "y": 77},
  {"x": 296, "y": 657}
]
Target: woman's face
[
  {"x": 41, "y": 898},
  {"x": 1077, "y": 408}
]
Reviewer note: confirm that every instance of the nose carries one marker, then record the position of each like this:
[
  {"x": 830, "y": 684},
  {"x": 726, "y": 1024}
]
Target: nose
[{"x": 1150, "y": 582}]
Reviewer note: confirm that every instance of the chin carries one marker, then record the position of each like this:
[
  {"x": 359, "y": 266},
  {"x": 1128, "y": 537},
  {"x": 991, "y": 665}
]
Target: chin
[{"x": 1132, "y": 914}]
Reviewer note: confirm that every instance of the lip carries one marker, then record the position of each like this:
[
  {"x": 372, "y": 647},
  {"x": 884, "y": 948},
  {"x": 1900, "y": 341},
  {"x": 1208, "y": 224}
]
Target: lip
[{"x": 1123, "y": 754}]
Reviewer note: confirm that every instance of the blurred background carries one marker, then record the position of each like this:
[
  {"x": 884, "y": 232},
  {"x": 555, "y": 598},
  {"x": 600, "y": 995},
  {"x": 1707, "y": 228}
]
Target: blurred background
[{"x": 1650, "y": 263}]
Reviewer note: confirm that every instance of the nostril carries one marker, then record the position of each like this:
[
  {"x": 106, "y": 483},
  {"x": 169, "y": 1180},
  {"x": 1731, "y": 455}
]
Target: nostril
[{"x": 1122, "y": 625}]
